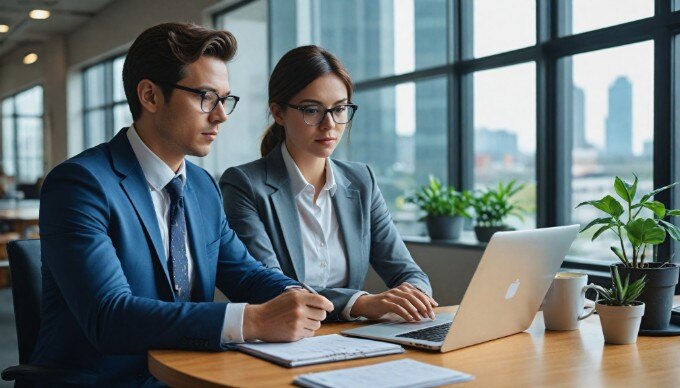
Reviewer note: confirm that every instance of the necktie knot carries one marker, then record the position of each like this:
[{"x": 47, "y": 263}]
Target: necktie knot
[{"x": 175, "y": 188}]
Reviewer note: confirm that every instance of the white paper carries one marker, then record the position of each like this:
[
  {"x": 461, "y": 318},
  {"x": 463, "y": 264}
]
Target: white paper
[
  {"x": 392, "y": 374},
  {"x": 323, "y": 348}
]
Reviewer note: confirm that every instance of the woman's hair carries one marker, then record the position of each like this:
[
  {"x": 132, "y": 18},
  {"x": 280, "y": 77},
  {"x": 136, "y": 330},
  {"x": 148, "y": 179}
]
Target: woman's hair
[{"x": 296, "y": 69}]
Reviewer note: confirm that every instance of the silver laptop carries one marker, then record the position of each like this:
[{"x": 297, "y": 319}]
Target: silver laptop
[{"x": 502, "y": 299}]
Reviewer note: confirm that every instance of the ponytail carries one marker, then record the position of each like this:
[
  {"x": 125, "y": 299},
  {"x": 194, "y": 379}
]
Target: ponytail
[{"x": 272, "y": 137}]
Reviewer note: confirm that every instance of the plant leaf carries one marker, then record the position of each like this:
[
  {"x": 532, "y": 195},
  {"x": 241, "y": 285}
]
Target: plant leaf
[
  {"x": 675, "y": 212},
  {"x": 633, "y": 189},
  {"x": 597, "y": 221},
  {"x": 657, "y": 207},
  {"x": 621, "y": 189},
  {"x": 617, "y": 251},
  {"x": 672, "y": 230},
  {"x": 645, "y": 231},
  {"x": 600, "y": 231},
  {"x": 655, "y": 192},
  {"x": 608, "y": 204}
]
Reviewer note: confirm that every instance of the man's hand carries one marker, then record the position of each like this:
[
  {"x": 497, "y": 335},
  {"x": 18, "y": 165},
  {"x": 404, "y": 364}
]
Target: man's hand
[
  {"x": 406, "y": 301},
  {"x": 291, "y": 316}
]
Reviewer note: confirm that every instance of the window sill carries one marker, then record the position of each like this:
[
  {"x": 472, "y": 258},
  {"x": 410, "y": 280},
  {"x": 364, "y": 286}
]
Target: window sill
[{"x": 467, "y": 240}]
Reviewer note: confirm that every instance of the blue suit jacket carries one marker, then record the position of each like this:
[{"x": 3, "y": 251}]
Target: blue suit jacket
[
  {"x": 107, "y": 297},
  {"x": 261, "y": 208}
]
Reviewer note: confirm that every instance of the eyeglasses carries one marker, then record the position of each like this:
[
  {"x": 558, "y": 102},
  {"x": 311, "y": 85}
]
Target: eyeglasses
[
  {"x": 209, "y": 99},
  {"x": 314, "y": 114}
]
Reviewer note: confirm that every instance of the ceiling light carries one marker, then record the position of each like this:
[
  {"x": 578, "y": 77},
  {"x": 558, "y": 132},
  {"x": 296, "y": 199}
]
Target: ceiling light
[
  {"x": 39, "y": 14},
  {"x": 3, "y": 28},
  {"x": 30, "y": 58}
]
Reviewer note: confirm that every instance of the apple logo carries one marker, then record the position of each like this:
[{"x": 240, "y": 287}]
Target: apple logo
[{"x": 512, "y": 289}]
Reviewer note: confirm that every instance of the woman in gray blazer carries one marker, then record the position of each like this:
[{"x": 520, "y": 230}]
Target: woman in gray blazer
[{"x": 319, "y": 220}]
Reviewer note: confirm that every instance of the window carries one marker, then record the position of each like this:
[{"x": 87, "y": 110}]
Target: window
[
  {"x": 559, "y": 95},
  {"x": 407, "y": 124},
  {"x": 505, "y": 132},
  {"x": 587, "y": 15},
  {"x": 105, "y": 109},
  {"x": 612, "y": 121},
  {"x": 405, "y": 117},
  {"x": 373, "y": 39},
  {"x": 22, "y": 135},
  {"x": 248, "y": 79},
  {"x": 515, "y": 18}
]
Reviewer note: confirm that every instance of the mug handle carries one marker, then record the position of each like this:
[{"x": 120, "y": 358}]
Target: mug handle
[{"x": 585, "y": 289}]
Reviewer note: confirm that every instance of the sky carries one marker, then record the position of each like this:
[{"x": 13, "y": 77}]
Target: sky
[{"x": 505, "y": 98}]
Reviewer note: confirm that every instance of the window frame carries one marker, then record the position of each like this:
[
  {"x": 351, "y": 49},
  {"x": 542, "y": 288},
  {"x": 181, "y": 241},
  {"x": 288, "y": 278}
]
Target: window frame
[
  {"x": 553, "y": 159},
  {"x": 109, "y": 104},
  {"x": 15, "y": 130}
]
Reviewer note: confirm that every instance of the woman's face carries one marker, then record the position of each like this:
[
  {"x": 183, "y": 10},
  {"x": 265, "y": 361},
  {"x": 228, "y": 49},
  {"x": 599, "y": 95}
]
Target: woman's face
[{"x": 304, "y": 140}]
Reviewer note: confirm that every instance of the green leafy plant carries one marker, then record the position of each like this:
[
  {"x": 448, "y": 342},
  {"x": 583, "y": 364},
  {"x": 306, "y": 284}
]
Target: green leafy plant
[
  {"x": 622, "y": 293},
  {"x": 625, "y": 220},
  {"x": 437, "y": 199},
  {"x": 493, "y": 206}
]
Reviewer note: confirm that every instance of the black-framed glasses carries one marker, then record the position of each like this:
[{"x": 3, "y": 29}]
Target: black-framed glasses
[
  {"x": 209, "y": 99},
  {"x": 314, "y": 114}
]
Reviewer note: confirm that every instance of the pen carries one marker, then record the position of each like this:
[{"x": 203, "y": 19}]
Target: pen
[{"x": 308, "y": 288}]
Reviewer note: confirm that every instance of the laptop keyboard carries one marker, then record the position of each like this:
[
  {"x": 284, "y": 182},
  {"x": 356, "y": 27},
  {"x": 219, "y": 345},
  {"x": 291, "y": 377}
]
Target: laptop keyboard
[{"x": 433, "y": 333}]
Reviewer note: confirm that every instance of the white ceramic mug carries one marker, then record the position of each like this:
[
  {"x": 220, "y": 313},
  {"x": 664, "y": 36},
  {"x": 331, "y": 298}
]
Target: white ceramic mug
[{"x": 563, "y": 306}]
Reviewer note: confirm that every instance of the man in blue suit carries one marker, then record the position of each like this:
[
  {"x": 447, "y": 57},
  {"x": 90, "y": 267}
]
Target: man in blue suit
[{"x": 134, "y": 237}]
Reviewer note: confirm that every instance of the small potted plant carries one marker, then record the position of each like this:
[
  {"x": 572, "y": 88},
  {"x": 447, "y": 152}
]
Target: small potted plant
[
  {"x": 493, "y": 206},
  {"x": 445, "y": 209},
  {"x": 619, "y": 310},
  {"x": 643, "y": 234}
]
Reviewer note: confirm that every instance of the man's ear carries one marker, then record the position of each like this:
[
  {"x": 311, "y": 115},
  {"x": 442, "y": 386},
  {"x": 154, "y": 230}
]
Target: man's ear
[
  {"x": 150, "y": 95},
  {"x": 277, "y": 113}
]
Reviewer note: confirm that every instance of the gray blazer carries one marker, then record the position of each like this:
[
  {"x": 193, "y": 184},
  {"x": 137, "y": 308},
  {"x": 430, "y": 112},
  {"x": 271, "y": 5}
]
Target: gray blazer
[{"x": 260, "y": 207}]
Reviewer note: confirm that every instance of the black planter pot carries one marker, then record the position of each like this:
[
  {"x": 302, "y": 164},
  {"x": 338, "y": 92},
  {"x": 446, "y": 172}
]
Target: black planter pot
[
  {"x": 658, "y": 292},
  {"x": 444, "y": 227},
  {"x": 484, "y": 233}
]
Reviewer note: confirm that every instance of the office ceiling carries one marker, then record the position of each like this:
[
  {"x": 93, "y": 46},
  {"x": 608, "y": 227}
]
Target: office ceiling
[{"x": 66, "y": 16}]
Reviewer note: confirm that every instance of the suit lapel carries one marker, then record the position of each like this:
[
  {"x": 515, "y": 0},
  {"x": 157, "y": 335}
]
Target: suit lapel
[
  {"x": 348, "y": 211},
  {"x": 135, "y": 186},
  {"x": 196, "y": 242},
  {"x": 285, "y": 210}
]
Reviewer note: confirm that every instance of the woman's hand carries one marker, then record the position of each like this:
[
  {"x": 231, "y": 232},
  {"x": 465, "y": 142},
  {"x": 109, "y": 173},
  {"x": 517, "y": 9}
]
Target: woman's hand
[{"x": 405, "y": 300}]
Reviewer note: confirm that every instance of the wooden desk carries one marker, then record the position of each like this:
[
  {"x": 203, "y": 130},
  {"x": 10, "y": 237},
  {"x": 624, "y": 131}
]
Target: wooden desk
[
  {"x": 533, "y": 358},
  {"x": 20, "y": 217}
]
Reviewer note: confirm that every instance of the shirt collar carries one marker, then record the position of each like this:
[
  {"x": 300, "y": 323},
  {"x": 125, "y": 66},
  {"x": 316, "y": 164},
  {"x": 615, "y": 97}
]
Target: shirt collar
[
  {"x": 298, "y": 182},
  {"x": 157, "y": 173}
]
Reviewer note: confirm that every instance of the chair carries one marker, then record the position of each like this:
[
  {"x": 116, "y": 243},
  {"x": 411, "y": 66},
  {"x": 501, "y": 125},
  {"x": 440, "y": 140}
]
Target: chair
[
  {"x": 24, "y": 263},
  {"x": 5, "y": 238}
]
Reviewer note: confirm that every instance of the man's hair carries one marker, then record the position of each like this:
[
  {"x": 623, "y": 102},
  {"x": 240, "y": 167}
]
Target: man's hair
[{"x": 162, "y": 53}]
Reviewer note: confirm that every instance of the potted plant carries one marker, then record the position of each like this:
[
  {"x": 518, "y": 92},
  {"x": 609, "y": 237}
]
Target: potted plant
[
  {"x": 643, "y": 234},
  {"x": 619, "y": 310},
  {"x": 445, "y": 209},
  {"x": 493, "y": 206}
]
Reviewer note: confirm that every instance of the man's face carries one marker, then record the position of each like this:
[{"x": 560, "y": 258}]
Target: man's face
[{"x": 183, "y": 127}]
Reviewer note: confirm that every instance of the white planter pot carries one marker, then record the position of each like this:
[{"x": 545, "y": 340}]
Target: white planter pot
[{"x": 620, "y": 324}]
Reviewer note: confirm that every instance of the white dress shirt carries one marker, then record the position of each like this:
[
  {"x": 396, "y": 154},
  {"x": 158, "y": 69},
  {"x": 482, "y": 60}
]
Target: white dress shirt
[
  {"x": 158, "y": 175},
  {"x": 322, "y": 243}
]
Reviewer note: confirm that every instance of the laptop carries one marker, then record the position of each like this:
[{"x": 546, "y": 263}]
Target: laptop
[{"x": 502, "y": 298}]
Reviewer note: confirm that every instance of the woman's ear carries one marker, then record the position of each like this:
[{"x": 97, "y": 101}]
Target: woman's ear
[{"x": 277, "y": 113}]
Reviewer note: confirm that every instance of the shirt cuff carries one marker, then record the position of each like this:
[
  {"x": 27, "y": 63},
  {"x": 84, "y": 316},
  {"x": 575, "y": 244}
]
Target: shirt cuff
[
  {"x": 348, "y": 308},
  {"x": 232, "y": 329}
]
